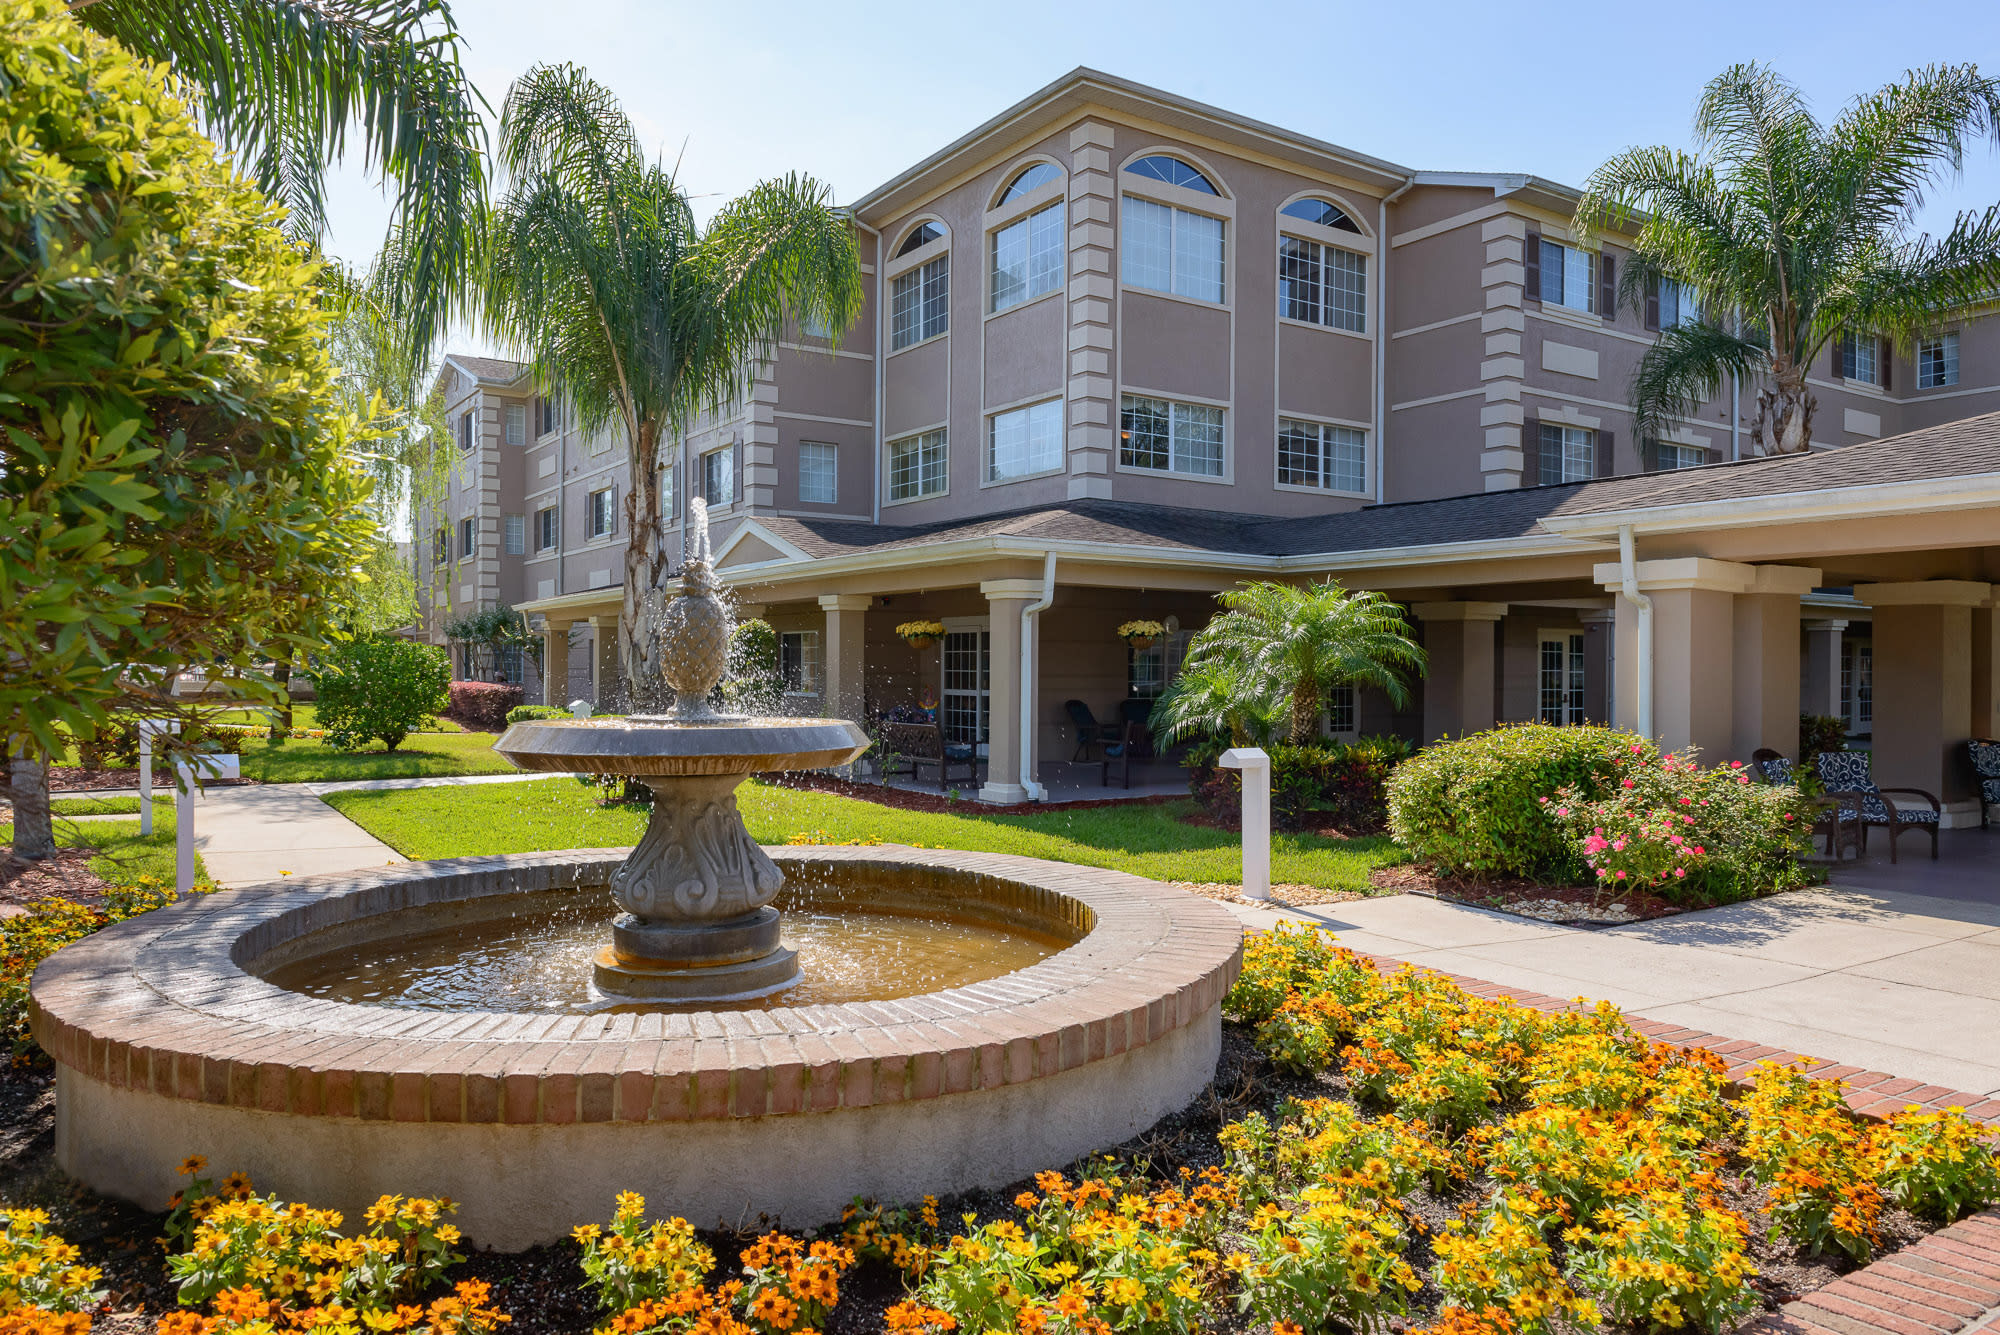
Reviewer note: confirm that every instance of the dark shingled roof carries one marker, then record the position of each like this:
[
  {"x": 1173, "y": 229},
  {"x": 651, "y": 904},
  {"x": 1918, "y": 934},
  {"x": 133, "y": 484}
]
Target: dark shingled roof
[
  {"x": 1955, "y": 449},
  {"x": 490, "y": 368}
]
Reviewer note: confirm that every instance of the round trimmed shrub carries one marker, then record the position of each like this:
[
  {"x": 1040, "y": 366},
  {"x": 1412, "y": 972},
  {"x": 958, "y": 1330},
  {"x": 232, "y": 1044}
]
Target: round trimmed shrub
[
  {"x": 1473, "y": 806},
  {"x": 529, "y": 713},
  {"x": 379, "y": 687}
]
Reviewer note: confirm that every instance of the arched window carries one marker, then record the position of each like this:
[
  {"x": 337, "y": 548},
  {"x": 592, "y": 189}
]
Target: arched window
[
  {"x": 1034, "y": 178},
  {"x": 922, "y": 236},
  {"x": 1320, "y": 212},
  {"x": 1173, "y": 171}
]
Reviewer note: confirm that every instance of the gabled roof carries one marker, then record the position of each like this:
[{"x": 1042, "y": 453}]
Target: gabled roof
[{"x": 496, "y": 369}]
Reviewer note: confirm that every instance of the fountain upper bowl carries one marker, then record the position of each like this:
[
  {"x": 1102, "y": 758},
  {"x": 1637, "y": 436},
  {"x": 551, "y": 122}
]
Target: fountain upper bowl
[{"x": 665, "y": 746}]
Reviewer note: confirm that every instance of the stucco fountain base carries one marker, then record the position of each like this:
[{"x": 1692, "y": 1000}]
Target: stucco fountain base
[{"x": 169, "y": 1042}]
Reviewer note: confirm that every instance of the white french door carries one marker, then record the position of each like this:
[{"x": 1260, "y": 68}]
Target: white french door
[
  {"x": 1559, "y": 677},
  {"x": 967, "y": 676}
]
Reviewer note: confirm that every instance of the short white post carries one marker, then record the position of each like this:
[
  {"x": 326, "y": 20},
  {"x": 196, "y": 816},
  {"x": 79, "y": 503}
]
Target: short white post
[
  {"x": 1256, "y": 767},
  {"x": 148, "y": 729},
  {"x": 211, "y": 767},
  {"x": 579, "y": 708}
]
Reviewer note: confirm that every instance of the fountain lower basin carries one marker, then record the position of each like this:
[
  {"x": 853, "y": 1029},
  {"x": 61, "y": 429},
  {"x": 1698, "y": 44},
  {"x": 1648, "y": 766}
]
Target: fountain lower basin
[{"x": 169, "y": 1042}]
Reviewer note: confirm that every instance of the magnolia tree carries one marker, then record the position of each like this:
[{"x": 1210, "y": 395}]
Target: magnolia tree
[{"x": 175, "y": 486}]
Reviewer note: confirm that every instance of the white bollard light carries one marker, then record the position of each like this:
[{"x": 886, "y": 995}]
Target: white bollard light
[
  {"x": 209, "y": 767},
  {"x": 149, "y": 728},
  {"x": 1256, "y": 767},
  {"x": 579, "y": 708}
]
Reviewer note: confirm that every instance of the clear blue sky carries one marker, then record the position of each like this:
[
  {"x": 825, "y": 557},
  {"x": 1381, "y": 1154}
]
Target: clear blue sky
[{"x": 853, "y": 93}]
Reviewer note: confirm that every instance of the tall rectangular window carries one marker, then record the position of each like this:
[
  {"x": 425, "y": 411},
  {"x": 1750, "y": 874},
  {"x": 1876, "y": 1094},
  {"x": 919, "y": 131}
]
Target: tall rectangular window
[
  {"x": 514, "y": 534},
  {"x": 548, "y": 528},
  {"x": 1568, "y": 453},
  {"x": 1169, "y": 249},
  {"x": 1312, "y": 454},
  {"x": 1322, "y": 285},
  {"x": 1677, "y": 304},
  {"x": 1028, "y": 257},
  {"x": 718, "y": 476},
  {"x": 1937, "y": 361},
  {"x": 517, "y": 424},
  {"x": 917, "y": 466},
  {"x": 798, "y": 661},
  {"x": 966, "y": 706},
  {"x": 819, "y": 472},
  {"x": 920, "y": 303},
  {"x": 1569, "y": 276},
  {"x": 1340, "y": 709},
  {"x": 1170, "y": 437},
  {"x": 547, "y": 419},
  {"x": 1024, "y": 440},
  {"x": 667, "y": 497},
  {"x": 1859, "y": 359},
  {"x": 465, "y": 430},
  {"x": 603, "y": 512},
  {"x": 1560, "y": 679},
  {"x": 468, "y": 537},
  {"x": 441, "y": 547}
]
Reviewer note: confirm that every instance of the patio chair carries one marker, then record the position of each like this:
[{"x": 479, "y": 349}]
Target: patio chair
[
  {"x": 920, "y": 744},
  {"x": 1768, "y": 766},
  {"x": 1089, "y": 732},
  {"x": 1135, "y": 741},
  {"x": 1986, "y": 766},
  {"x": 1848, "y": 782}
]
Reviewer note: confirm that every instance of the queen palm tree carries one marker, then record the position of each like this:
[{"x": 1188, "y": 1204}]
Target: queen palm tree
[
  {"x": 1276, "y": 650},
  {"x": 282, "y": 84},
  {"x": 598, "y": 271},
  {"x": 1791, "y": 232}
]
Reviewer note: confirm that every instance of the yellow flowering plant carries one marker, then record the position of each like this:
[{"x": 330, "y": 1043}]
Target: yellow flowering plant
[
  {"x": 41, "y": 1272},
  {"x": 1671, "y": 1260},
  {"x": 1805, "y": 1146},
  {"x": 467, "y": 1310},
  {"x": 905, "y": 1239},
  {"x": 1502, "y": 1261},
  {"x": 1939, "y": 1165},
  {"x": 1335, "y": 1257},
  {"x": 631, "y": 1261}
]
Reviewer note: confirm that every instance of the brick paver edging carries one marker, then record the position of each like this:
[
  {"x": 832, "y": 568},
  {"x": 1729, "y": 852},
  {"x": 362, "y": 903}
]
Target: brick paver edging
[{"x": 164, "y": 1004}]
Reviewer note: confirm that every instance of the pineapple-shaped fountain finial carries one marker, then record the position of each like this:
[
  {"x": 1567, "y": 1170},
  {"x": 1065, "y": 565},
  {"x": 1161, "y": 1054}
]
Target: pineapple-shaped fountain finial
[{"x": 694, "y": 627}]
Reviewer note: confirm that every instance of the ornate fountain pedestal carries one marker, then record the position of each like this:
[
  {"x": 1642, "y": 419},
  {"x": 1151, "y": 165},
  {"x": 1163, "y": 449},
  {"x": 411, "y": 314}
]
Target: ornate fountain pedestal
[{"x": 697, "y": 890}]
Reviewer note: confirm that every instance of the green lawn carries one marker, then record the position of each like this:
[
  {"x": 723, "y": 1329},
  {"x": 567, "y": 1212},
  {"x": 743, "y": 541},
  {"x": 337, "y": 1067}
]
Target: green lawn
[
  {"x": 123, "y": 854},
  {"x": 1148, "y": 840},
  {"x": 163, "y": 800},
  {"x": 304, "y": 715},
  {"x": 308, "y": 760}
]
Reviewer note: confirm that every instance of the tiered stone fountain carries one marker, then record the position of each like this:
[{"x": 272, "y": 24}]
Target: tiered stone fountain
[{"x": 428, "y": 1029}]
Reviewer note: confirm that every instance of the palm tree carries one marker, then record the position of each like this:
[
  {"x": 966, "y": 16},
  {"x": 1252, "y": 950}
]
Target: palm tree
[
  {"x": 1278, "y": 648},
  {"x": 1791, "y": 233},
  {"x": 1214, "y": 695},
  {"x": 597, "y": 269},
  {"x": 282, "y": 83}
]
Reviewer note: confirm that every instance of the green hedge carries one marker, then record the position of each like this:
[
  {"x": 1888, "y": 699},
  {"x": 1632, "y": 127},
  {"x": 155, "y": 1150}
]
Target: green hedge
[
  {"x": 1340, "y": 782},
  {"x": 1472, "y": 806},
  {"x": 525, "y": 713}
]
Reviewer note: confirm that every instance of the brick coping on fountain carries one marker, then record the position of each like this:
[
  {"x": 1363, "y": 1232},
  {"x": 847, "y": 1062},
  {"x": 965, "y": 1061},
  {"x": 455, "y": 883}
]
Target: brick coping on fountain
[{"x": 163, "y": 1004}]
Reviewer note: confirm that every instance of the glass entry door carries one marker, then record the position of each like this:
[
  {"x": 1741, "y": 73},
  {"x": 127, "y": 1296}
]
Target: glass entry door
[
  {"x": 1561, "y": 677},
  {"x": 968, "y": 674}
]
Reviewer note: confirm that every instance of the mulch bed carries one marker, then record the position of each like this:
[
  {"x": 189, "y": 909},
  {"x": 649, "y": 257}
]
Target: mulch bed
[
  {"x": 67, "y": 875},
  {"x": 903, "y": 799},
  {"x": 75, "y": 779},
  {"x": 1575, "y": 905},
  {"x": 1291, "y": 895}
]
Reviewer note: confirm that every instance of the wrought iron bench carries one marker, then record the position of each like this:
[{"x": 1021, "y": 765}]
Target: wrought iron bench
[
  {"x": 1848, "y": 782},
  {"x": 920, "y": 744}
]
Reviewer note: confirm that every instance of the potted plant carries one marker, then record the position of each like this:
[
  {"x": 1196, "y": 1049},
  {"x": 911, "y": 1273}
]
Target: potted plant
[
  {"x": 921, "y": 634},
  {"x": 1141, "y": 634}
]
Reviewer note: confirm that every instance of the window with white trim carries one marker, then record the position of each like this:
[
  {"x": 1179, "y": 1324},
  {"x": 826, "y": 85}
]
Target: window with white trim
[
  {"x": 1340, "y": 719},
  {"x": 1170, "y": 250},
  {"x": 1678, "y": 305},
  {"x": 468, "y": 537},
  {"x": 917, "y": 466},
  {"x": 514, "y": 534},
  {"x": 1860, "y": 358},
  {"x": 1559, "y": 678},
  {"x": 1029, "y": 181},
  {"x": 1028, "y": 257},
  {"x": 1171, "y": 170},
  {"x": 1026, "y": 440},
  {"x": 718, "y": 476},
  {"x": 1569, "y": 453},
  {"x": 920, "y": 303},
  {"x": 1313, "y": 454},
  {"x": 1569, "y": 276},
  {"x": 819, "y": 472},
  {"x": 465, "y": 430},
  {"x": 920, "y": 236},
  {"x": 603, "y": 511},
  {"x": 1668, "y": 456},
  {"x": 1937, "y": 361},
  {"x": 548, "y": 416},
  {"x": 798, "y": 661},
  {"x": 1322, "y": 284},
  {"x": 517, "y": 424},
  {"x": 1320, "y": 213},
  {"x": 441, "y": 547},
  {"x": 667, "y": 497},
  {"x": 1170, "y": 437},
  {"x": 548, "y": 528}
]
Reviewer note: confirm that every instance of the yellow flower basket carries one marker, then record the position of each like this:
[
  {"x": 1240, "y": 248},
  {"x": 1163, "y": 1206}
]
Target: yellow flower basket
[
  {"x": 921, "y": 634},
  {"x": 1141, "y": 634}
]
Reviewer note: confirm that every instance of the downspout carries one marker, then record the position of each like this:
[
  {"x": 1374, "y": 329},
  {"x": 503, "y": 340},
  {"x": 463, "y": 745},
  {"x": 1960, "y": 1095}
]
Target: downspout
[
  {"x": 1030, "y": 624},
  {"x": 1628, "y": 571},
  {"x": 1382, "y": 331}
]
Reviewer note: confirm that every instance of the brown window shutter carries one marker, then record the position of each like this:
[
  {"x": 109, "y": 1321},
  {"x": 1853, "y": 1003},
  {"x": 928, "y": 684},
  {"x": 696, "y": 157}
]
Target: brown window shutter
[
  {"x": 1653, "y": 302},
  {"x": 1839, "y": 346},
  {"x": 1531, "y": 255},
  {"x": 1604, "y": 460},
  {"x": 1607, "y": 286},
  {"x": 1649, "y": 454},
  {"x": 1883, "y": 360}
]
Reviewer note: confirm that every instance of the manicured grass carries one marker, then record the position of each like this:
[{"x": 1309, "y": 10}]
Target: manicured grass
[
  {"x": 305, "y": 715},
  {"x": 163, "y": 800},
  {"x": 123, "y": 854},
  {"x": 1147, "y": 840},
  {"x": 309, "y": 760}
]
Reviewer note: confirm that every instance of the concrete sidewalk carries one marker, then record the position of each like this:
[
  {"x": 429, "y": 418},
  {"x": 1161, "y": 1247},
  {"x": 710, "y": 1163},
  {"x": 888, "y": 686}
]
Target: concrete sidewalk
[
  {"x": 260, "y": 833},
  {"x": 1865, "y": 971}
]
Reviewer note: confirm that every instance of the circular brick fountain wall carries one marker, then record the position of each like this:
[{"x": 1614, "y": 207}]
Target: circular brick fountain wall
[{"x": 167, "y": 1044}]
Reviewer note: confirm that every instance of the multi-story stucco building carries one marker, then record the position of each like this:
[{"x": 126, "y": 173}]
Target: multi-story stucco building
[{"x": 1123, "y": 350}]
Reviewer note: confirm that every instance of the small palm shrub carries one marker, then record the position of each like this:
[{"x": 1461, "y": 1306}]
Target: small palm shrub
[
  {"x": 377, "y": 687},
  {"x": 1473, "y": 806},
  {"x": 1340, "y": 782}
]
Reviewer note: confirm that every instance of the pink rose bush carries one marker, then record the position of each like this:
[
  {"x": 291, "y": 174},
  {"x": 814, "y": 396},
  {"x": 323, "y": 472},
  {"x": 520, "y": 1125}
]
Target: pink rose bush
[{"x": 1684, "y": 832}]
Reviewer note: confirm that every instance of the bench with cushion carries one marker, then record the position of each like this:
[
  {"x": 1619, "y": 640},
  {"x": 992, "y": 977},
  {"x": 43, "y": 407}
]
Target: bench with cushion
[
  {"x": 920, "y": 744},
  {"x": 1773, "y": 768},
  {"x": 1986, "y": 768},
  {"x": 1848, "y": 782}
]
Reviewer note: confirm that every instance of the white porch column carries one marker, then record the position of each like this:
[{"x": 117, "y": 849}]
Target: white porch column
[
  {"x": 1458, "y": 684},
  {"x": 1005, "y": 600},
  {"x": 1923, "y": 687},
  {"x": 604, "y": 682},
  {"x": 555, "y": 663},
  {"x": 1766, "y": 703},
  {"x": 846, "y": 650},
  {"x": 1821, "y": 694}
]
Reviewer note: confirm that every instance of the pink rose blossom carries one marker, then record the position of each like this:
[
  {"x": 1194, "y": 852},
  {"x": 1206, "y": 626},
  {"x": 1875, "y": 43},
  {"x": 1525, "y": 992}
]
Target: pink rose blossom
[
  {"x": 1629, "y": 784},
  {"x": 1680, "y": 872},
  {"x": 1621, "y": 875}
]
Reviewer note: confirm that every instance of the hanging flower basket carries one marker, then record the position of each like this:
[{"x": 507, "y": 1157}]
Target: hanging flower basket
[
  {"x": 1141, "y": 634},
  {"x": 921, "y": 634}
]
